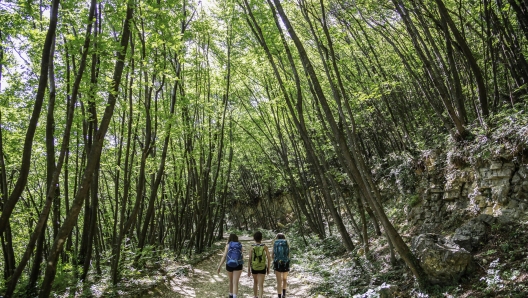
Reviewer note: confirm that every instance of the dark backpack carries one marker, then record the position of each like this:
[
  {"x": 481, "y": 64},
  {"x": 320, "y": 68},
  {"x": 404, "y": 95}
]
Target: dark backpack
[
  {"x": 259, "y": 257},
  {"x": 234, "y": 255},
  {"x": 281, "y": 253}
]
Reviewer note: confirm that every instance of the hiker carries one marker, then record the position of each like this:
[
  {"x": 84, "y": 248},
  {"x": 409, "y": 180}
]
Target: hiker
[
  {"x": 259, "y": 264},
  {"x": 281, "y": 263},
  {"x": 234, "y": 262}
]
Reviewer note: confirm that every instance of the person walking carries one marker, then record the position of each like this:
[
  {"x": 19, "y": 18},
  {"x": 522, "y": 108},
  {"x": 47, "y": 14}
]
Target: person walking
[
  {"x": 281, "y": 263},
  {"x": 234, "y": 262},
  {"x": 259, "y": 264}
]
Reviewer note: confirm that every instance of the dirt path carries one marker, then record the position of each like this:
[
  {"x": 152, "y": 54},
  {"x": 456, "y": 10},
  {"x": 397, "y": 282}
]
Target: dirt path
[{"x": 203, "y": 281}]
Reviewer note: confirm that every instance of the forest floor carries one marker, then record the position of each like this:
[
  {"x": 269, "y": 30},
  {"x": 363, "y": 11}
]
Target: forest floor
[
  {"x": 202, "y": 280},
  {"x": 323, "y": 268}
]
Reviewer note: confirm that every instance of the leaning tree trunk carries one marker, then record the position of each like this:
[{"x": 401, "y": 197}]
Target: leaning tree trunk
[
  {"x": 475, "y": 68},
  {"x": 361, "y": 177},
  {"x": 93, "y": 160},
  {"x": 6, "y": 238},
  {"x": 11, "y": 202}
]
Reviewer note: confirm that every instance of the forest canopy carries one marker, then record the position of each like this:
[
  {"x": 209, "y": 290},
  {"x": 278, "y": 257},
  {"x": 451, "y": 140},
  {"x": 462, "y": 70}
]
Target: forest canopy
[{"x": 131, "y": 127}]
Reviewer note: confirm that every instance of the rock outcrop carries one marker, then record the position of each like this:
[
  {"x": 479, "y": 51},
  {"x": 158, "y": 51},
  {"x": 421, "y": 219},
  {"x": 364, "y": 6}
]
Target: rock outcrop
[
  {"x": 472, "y": 234},
  {"x": 443, "y": 261},
  {"x": 494, "y": 188}
]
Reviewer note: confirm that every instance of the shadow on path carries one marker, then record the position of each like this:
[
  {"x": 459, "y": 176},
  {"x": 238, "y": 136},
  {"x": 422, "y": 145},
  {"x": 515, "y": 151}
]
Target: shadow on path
[{"x": 202, "y": 281}]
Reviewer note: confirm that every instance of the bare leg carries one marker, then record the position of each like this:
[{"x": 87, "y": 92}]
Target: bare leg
[
  {"x": 261, "y": 278},
  {"x": 236, "y": 278},
  {"x": 278, "y": 275},
  {"x": 230, "y": 275},
  {"x": 284, "y": 280},
  {"x": 255, "y": 285}
]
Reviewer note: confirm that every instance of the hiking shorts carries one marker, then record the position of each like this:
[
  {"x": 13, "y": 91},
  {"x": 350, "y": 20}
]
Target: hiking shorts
[
  {"x": 263, "y": 271},
  {"x": 237, "y": 268},
  {"x": 283, "y": 268}
]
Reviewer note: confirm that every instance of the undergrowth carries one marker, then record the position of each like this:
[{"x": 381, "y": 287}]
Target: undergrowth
[{"x": 501, "y": 269}]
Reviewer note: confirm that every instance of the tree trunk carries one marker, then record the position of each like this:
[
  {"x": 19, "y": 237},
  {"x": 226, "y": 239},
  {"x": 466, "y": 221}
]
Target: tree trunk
[
  {"x": 361, "y": 177},
  {"x": 10, "y": 203},
  {"x": 92, "y": 163},
  {"x": 481, "y": 86}
]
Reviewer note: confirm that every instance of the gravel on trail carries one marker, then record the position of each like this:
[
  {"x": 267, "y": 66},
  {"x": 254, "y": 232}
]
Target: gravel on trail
[{"x": 202, "y": 280}]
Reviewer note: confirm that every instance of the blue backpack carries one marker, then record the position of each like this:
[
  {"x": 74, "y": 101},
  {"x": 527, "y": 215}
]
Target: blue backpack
[
  {"x": 281, "y": 253},
  {"x": 234, "y": 255}
]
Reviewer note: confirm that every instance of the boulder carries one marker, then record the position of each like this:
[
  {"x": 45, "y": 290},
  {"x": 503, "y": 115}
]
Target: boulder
[
  {"x": 471, "y": 234},
  {"x": 443, "y": 261}
]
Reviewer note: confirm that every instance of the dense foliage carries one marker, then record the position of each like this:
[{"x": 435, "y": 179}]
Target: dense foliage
[{"x": 142, "y": 126}]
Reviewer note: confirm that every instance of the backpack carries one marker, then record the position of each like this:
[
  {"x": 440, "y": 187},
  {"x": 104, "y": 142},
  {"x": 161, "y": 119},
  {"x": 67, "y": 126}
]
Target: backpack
[
  {"x": 281, "y": 252},
  {"x": 234, "y": 255},
  {"x": 259, "y": 257}
]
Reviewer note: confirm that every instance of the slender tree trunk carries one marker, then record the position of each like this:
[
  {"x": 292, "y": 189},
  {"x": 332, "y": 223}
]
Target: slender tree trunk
[
  {"x": 364, "y": 229},
  {"x": 39, "y": 228},
  {"x": 9, "y": 254},
  {"x": 361, "y": 177},
  {"x": 430, "y": 68},
  {"x": 159, "y": 175},
  {"x": 92, "y": 201},
  {"x": 458, "y": 95},
  {"x": 5, "y": 237},
  {"x": 14, "y": 197},
  {"x": 116, "y": 245},
  {"x": 50, "y": 169},
  {"x": 521, "y": 10},
  {"x": 479, "y": 78},
  {"x": 93, "y": 160}
]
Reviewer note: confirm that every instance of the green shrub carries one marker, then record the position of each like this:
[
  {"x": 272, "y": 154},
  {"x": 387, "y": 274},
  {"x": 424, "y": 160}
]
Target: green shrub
[{"x": 414, "y": 200}]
